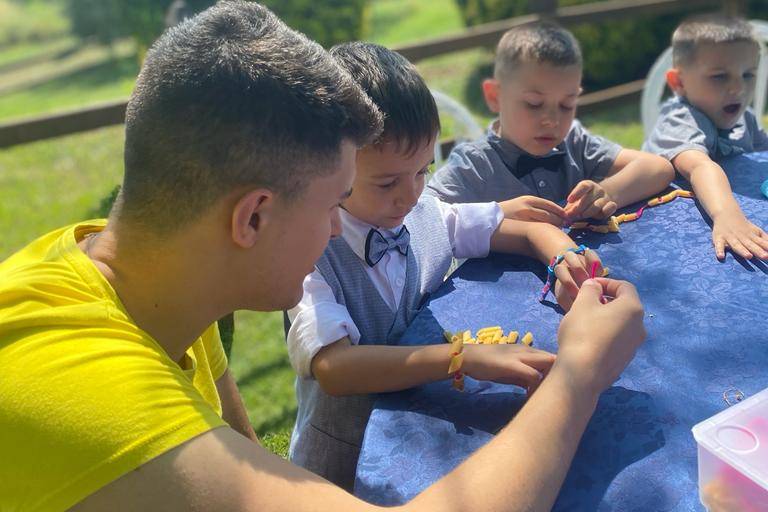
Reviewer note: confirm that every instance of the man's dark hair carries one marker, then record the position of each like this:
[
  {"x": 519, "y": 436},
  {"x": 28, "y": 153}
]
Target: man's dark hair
[
  {"x": 233, "y": 98},
  {"x": 410, "y": 114},
  {"x": 708, "y": 29},
  {"x": 541, "y": 42}
]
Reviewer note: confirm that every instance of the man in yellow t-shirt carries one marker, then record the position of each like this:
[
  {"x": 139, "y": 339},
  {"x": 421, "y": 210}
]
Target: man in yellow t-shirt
[{"x": 241, "y": 139}]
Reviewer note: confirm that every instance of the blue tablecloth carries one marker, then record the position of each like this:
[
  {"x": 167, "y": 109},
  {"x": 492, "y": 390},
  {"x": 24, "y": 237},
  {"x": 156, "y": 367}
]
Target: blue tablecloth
[{"x": 706, "y": 323}]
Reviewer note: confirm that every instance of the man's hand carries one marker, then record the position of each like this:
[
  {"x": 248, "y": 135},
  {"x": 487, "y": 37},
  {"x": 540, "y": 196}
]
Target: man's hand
[
  {"x": 732, "y": 229},
  {"x": 589, "y": 199},
  {"x": 598, "y": 340},
  {"x": 534, "y": 209},
  {"x": 508, "y": 364}
]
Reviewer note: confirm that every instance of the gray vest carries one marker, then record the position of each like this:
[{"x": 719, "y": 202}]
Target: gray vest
[{"x": 329, "y": 430}]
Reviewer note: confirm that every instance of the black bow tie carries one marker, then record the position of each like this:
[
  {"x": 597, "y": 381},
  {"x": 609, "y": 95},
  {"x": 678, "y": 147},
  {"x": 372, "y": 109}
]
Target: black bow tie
[{"x": 527, "y": 163}]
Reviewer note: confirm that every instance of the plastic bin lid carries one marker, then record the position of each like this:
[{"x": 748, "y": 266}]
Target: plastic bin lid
[{"x": 739, "y": 436}]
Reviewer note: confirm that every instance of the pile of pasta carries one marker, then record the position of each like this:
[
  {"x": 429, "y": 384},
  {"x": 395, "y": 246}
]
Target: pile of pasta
[{"x": 489, "y": 336}]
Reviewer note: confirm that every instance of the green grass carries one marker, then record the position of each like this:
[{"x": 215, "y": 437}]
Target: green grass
[
  {"x": 31, "y": 20},
  {"x": 397, "y": 22},
  {"x": 88, "y": 76},
  {"x": 52, "y": 183}
]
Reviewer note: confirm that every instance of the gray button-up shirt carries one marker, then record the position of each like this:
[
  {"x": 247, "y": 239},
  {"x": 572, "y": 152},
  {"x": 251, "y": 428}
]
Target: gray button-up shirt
[
  {"x": 481, "y": 171},
  {"x": 681, "y": 127}
]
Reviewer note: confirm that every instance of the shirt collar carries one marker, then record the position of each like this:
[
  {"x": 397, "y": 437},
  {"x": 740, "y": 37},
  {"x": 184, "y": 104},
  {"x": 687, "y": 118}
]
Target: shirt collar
[
  {"x": 722, "y": 132},
  {"x": 355, "y": 231},
  {"x": 509, "y": 151}
]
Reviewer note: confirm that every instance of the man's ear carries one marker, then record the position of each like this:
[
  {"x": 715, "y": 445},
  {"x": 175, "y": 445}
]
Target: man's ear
[
  {"x": 250, "y": 215},
  {"x": 674, "y": 82},
  {"x": 491, "y": 94}
]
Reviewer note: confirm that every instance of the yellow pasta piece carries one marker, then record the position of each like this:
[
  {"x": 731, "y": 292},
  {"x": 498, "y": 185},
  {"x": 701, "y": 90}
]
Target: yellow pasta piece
[
  {"x": 613, "y": 225},
  {"x": 527, "y": 339},
  {"x": 685, "y": 193},
  {"x": 512, "y": 337},
  {"x": 448, "y": 336},
  {"x": 490, "y": 330},
  {"x": 466, "y": 335},
  {"x": 496, "y": 337},
  {"x": 504, "y": 340},
  {"x": 457, "y": 345},
  {"x": 456, "y": 363}
]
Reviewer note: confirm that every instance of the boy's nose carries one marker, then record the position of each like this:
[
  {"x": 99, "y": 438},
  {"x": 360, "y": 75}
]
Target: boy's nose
[
  {"x": 551, "y": 118},
  {"x": 409, "y": 197}
]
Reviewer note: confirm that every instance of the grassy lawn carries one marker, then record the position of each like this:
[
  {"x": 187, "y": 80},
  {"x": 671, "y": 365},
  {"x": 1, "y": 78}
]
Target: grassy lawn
[{"x": 52, "y": 183}]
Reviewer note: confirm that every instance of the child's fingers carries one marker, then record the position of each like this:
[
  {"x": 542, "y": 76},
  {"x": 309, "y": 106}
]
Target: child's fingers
[
  {"x": 538, "y": 215},
  {"x": 738, "y": 247},
  {"x": 752, "y": 245},
  {"x": 719, "y": 243},
  {"x": 538, "y": 359},
  {"x": 549, "y": 206},
  {"x": 576, "y": 267},
  {"x": 581, "y": 189},
  {"x": 595, "y": 210},
  {"x": 563, "y": 274},
  {"x": 609, "y": 209},
  {"x": 591, "y": 257},
  {"x": 524, "y": 376}
]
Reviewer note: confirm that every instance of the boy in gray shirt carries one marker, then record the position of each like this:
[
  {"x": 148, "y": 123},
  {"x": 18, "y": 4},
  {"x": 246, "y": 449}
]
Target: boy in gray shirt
[
  {"x": 715, "y": 60},
  {"x": 536, "y": 151}
]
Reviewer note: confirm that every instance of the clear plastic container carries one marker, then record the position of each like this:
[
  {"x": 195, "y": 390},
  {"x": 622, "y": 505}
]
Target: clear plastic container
[{"x": 733, "y": 457}]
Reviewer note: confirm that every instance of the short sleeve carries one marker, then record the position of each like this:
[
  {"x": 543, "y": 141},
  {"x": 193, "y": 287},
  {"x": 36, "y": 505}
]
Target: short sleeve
[
  {"x": 82, "y": 409},
  {"x": 460, "y": 179},
  {"x": 759, "y": 137},
  {"x": 681, "y": 128},
  {"x": 594, "y": 155},
  {"x": 470, "y": 227}
]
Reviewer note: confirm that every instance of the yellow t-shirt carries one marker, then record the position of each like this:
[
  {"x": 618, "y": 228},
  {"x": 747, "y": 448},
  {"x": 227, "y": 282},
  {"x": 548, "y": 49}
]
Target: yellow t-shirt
[{"x": 85, "y": 395}]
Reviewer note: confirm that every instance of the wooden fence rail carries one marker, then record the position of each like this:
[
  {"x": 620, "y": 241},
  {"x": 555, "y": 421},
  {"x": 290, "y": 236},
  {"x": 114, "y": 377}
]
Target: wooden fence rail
[{"x": 486, "y": 35}]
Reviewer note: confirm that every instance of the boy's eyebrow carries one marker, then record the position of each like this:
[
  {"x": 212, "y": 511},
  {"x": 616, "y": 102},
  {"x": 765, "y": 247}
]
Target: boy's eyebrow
[
  {"x": 534, "y": 91},
  {"x": 396, "y": 174}
]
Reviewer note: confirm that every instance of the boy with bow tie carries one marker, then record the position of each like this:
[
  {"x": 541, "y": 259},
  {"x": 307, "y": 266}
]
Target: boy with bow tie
[
  {"x": 536, "y": 151},
  {"x": 715, "y": 60},
  {"x": 395, "y": 248}
]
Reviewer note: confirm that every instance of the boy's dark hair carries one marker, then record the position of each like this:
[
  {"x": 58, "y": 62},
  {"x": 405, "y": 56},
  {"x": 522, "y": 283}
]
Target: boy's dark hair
[
  {"x": 234, "y": 98},
  {"x": 410, "y": 114},
  {"x": 709, "y": 28},
  {"x": 541, "y": 42}
]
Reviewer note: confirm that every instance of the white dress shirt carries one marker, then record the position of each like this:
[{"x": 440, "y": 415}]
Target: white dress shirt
[{"x": 318, "y": 320}]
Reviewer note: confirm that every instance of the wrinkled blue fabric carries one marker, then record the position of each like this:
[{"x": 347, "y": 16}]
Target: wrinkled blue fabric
[{"x": 707, "y": 332}]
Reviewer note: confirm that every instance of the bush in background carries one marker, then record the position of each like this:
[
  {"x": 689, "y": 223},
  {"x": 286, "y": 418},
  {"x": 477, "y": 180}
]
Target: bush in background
[
  {"x": 326, "y": 21},
  {"x": 615, "y": 52}
]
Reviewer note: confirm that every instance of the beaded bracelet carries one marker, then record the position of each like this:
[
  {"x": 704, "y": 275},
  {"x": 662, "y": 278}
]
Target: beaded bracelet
[{"x": 582, "y": 249}]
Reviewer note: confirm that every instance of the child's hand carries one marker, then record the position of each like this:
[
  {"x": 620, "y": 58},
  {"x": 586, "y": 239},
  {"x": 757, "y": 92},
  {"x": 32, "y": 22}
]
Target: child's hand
[
  {"x": 732, "y": 229},
  {"x": 589, "y": 200},
  {"x": 534, "y": 209},
  {"x": 508, "y": 364},
  {"x": 571, "y": 273}
]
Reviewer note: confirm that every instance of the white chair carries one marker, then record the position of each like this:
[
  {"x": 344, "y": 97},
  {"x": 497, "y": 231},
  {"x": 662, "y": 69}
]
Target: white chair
[
  {"x": 656, "y": 81},
  {"x": 454, "y": 114}
]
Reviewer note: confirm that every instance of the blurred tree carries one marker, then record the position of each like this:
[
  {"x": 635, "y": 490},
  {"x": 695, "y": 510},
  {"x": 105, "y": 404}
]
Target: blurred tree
[{"x": 326, "y": 21}]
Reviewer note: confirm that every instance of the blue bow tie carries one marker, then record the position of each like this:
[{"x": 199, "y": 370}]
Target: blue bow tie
[
  {"x": 376, "y": 245},
  {"x": 527, "y": 163}
]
